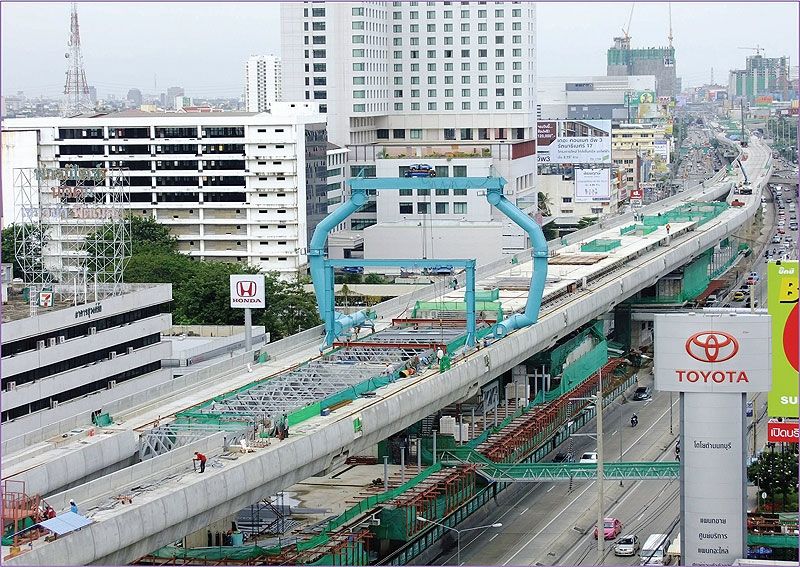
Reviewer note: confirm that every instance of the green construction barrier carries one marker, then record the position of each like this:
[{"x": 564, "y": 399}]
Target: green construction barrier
[
  {"x": 601, "y": 245},
  {"x": 486, "y": 294},
  {"x": 299, "y": 416},
  {"x": 490, "y": 306},
  {"x": 779, "y": 540},
  {"x": 627, "y": 229}
]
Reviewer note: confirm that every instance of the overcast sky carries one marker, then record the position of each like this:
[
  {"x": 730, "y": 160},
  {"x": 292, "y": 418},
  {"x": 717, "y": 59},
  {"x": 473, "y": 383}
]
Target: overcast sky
[{"x": 202, "y": 46}]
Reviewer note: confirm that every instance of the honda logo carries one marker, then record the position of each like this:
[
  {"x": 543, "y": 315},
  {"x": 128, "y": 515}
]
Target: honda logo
[
  {"x": 712, "y": 346},
  {"x": 246, "y": 288}
]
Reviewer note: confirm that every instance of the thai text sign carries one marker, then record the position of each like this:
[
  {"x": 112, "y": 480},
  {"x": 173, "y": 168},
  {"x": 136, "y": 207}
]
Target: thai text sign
[
  {"x": 573, "y": 141},
  {"x": 782, "y": 283}
]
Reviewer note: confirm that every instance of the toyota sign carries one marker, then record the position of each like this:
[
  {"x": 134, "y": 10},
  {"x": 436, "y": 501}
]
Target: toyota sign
[{"x": 712, "y": 353}]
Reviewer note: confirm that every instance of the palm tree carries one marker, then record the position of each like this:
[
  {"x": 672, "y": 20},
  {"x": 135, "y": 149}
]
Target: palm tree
[{"x": 544, "y": 203}]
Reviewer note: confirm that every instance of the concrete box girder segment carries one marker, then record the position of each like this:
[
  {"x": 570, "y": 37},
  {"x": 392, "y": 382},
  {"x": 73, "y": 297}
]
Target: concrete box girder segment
[{"x": 322, "y": 269}]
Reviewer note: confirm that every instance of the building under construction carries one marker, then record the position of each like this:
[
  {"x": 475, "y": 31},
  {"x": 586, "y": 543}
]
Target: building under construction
[
  {"x": 658, "y": 61},
  {"x": 762, "y": 76}
]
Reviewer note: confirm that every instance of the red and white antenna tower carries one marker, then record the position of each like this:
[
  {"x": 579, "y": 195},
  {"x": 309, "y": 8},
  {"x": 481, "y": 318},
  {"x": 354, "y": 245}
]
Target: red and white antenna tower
[{"x": 76, "y": 88}]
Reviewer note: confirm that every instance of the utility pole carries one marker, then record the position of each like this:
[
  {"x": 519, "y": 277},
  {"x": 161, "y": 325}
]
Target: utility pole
[{"x": 601, "y": 532}]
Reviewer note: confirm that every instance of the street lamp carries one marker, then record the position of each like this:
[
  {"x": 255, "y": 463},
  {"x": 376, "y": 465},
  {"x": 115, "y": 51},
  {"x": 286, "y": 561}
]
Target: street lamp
[{"x": 458, "y": 533}]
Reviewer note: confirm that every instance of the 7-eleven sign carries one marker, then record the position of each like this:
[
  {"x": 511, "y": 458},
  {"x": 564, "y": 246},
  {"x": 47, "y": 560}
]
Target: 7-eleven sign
[{"x": 45, "y": 299}]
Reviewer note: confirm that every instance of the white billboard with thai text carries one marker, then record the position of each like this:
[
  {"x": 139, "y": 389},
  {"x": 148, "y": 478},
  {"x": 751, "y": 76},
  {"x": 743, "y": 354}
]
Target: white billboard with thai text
[
  {"x": 713, "y": 353},
  {"x": 592, "y": 185},
  {"x": 573, "y": 141}
]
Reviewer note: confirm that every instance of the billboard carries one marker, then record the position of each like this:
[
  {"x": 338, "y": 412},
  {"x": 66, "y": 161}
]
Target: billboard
[
  {"x": 661, "y": 149},
  {"x": 782, "y": 284},
  {"x": 712, "y": 478},
  {"x": 592, "y": 185},
  {"x": 712, "y": 353},
  {"x": 573, "y": 141},
  {"x": 783, "y": 432},
  {"x": 247, "y": 290}
]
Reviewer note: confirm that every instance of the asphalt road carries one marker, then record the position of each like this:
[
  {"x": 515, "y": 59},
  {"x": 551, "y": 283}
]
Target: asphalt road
[{"x": 547, "y": 523}]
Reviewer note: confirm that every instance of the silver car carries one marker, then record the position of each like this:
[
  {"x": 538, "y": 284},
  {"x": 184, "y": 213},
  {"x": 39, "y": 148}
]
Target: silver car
[{"x": 627, "y": 546}]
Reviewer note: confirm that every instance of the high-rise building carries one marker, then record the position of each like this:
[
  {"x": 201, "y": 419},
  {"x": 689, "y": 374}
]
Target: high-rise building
[
  {"x": 658, "y": 61},
  {"x": 617, "y": 98},
  {"x": 135, "y": 97},
  {"x": 263, "y": 82},
  {"x": 172, "y": 94},
  {"x": 231, "y": 186},
  {"x": 762, "y": 76},
  {"x": 452, "y": 85}
]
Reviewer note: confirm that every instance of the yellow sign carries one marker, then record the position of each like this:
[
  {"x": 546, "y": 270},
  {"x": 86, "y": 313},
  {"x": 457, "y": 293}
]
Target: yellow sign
[{"x": 782, "y": 283}]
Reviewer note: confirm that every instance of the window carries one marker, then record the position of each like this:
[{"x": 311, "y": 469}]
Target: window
[
  {"x": 414, "y": 15},
  {"x": 498, "y": 13},
  {"x": 431, "y": 28},
  {"x": 465, "y": 27},
  {"x": 398, "y": 67},
  {"x": 481, "y": 13},
  {"x": 414, "y": 80},
  {"x": 442, "y": 192},
  {"x": 465, "y": 66},
  {"x": 415, "y": 134},
  {"x": 448, "y": 80},
  {"x": 398, "y": 106},
  {"x": 432, "y": 105},
  {"x": 323, "y": 95},
  {"x": 516, "y": 13},
  {"x": 465, "y": 14},
  {"x": 397, "y": 28},
  {"x": 481, "y": 40},
  {"x": 398, "y": 134},
  {"x": 318, "y": 54},
  {"x": 318, "y": 26},
  {"x": 517, "y": 105},
  {"x": 357, "y": 66},
  {"x": 356, "y": 94},
  {"x": 414, "y": 54},
  {"x": 466, "y": 133},
  {"x": 448, "y": 14},
  {"x": 516, "y": 39},
  {"x": 517, "y": 65},
  {"x": 359, "y": 107},
  {"x": 566, "y": 199},
  {"x": 320, "y": 81},
  {"x": 423, "y": 208},
  {"x": 358, "y": 39},
  {"x": 398, "y": 80},
  {"x": 498, "y": 26},
  {"x": 517, "y": 78},
  {"x": 483, "y": 53},
  {"x": 449, "y": 28},
  {"x": 449, "y": 133},
  {"x": 517, "y": 92},
  {"x": 448, "y": 106},
  {"x": 459, "y": 208},
  {"x": 516, "y": 26},
  {"x": 406, "y": 208},
  {"x": 441, "y": 208},
  {"x": 517, "y": 52},
  {"x": 406, "y": 192},
  {"x": 442, "y": 171},
  {"x": 499, "y": 39},
  {"x": 382, "y": 134},
  {"x": 398, "y": 93},
  {"x": 359, "y": 80},
  {"x": 423, "y": 192},
  {"x": 459, "y": 171},
  {"x": 500, "y": 105},
  {"x": 499, "y": 52},
  {"x": 318, "y": 12},
  {"x": 465, "y": 53},
  {"x": 414, "y": 67},
  {"x": 358, "y": 25},
  {"x": 459, "y": 192},
  {"x": 414, "y": 41},
  {"x": 358, "y": 11},
  {"x": 431, "y": 66},
  {"x": 499, "y": 78},
  {"x": 465, "y": 79},
  {"x": 448, "y": 93},
  {"x": 414, "y": 93},
  {"x": 431, "y": 41},
  {"x": 483, "y": 105},
  {"x": 432, "y": 81},
  {"x": 465, "y": 92},
  {"x": 358, "y": 53},
  {"x": 397, "y": 41},
  {"x": 465, "y": 40},
  {"x": 414, "y": 28}
]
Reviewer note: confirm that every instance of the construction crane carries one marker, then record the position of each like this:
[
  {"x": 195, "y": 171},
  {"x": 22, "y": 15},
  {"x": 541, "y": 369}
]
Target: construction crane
[
  {"x": 758, "y": 49},
  {"x": 627, "y": 28}
]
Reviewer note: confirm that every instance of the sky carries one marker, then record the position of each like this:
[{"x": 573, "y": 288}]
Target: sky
[{"x": 202, "y": 46}]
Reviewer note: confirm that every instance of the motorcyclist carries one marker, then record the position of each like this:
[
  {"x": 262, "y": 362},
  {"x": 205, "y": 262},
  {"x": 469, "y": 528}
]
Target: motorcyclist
[{"x": 634, "y": 420}]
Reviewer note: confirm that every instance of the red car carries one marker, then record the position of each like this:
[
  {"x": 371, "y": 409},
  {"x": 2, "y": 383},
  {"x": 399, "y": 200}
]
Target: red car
[{"x": 612, "y": 527}]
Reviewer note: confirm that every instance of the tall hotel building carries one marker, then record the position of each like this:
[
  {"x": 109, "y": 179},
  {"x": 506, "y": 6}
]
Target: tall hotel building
[{"x": 449, "y": 84}]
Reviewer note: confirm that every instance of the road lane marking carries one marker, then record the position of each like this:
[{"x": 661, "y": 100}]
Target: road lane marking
[
  {"x": 494, "y": 536},
  {"x": 525, "y": 510},
  {"x": 551, "y": 488}
]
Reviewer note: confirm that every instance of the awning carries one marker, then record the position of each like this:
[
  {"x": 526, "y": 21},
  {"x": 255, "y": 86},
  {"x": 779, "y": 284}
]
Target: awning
[{"x": 65, "y": 523}]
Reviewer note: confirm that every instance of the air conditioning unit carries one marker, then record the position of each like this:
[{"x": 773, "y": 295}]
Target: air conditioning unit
[
  {"x": 92, "y": 330},
  {"x": 51, "y": 341},
  {"x": 112, "y": 355},
  {"x": 53, "y": 404},
  {"x": 10, "y": 386},
  {"x": 62, "y": 339},
  {"x": 39, "y": 345},
  {"x": 130, "y": 350},
  {"x": 112, "y": 384}
]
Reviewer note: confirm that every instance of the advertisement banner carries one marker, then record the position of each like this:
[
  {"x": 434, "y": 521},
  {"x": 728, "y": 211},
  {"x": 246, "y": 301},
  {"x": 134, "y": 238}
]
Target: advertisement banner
[
  {"x": 592, "y": 185},
  {"x": 661, "y": 149},
  {"x": 573, "y": 141},
  {"x": 247, "y": 290},
  {"x": 712, "y": 478},
  {"x": 713, "y": 353},
  {"x": 783, "y": 432},
  {"x": 782, "y": 284}
]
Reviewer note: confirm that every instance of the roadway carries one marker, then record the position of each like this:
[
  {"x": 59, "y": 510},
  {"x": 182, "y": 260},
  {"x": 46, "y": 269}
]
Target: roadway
[{"x": 173, "y": 509}]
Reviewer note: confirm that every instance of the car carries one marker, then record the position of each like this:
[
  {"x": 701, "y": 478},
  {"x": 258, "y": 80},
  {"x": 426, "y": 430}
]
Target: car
[
  {"x": 776, "y": 239},
  {"x": 612, "y": 527},
  {"x": 781, "y": 230},
  {"x": 641, "y": 393},
  {"x": 792, "y": 226},
  {"x": 788, "y": 240},
  {"x": 627, "y": 546},
  {"x": 739, "y": 296},
  {"x": 751, "y": 281},
  {"x": 420, "y": 170},
  {"x": 711, "y": 299},
  {"x": 590, "y": 457},
  {"x": 563, "y": 458},
  {"x": 754, "y": 275}
]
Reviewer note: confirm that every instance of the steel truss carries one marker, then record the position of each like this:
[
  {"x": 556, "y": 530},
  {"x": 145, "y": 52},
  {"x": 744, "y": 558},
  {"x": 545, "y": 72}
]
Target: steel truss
[
  {"x": 165, "y": 438},
  {"x": 553, "y": 472}
]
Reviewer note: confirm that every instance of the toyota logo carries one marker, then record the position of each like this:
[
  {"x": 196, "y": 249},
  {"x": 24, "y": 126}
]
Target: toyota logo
[
  {"x": 246, "y": 288},
  {"x": 712, "y": 346}
]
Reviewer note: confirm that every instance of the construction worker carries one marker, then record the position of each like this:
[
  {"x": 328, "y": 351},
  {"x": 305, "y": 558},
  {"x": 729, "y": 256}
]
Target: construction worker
[
  {"x": 202, "y": 459},
  {"x": 73, "y": 507}
]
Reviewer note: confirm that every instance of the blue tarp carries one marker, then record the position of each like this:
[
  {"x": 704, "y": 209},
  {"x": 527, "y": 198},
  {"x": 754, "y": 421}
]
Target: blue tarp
[{"x": 65, "y": 523}]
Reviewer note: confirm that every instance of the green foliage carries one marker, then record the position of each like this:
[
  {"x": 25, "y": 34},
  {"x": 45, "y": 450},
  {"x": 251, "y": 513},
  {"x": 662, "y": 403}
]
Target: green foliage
[
  {"x": 375, "y": 279},
  {"x": 200, "y": 290},
  {"x": 586, "y": 222},
  {"x": 550, "y": 232},
  {"x": 544, "y": 203},
  {"x": 775, "y": 472}
]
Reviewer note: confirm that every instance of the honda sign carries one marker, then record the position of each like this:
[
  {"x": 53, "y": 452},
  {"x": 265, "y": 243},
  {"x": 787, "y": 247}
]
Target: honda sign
[
  {"x": 248, "y": 291},
  {"x": 712, "y": 353}
]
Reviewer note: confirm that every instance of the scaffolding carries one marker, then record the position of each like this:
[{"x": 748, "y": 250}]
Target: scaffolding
[
  {"x": 70, "y": 234},
  {"x": 19, "y": 511}
]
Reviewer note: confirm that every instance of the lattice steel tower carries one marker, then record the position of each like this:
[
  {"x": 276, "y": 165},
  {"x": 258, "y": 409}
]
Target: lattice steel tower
[{"x": 76, "y": 88}]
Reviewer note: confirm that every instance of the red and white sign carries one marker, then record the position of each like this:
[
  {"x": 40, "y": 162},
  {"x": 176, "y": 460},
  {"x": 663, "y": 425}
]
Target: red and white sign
[
  {"x": 712, "y": 353},
  {"x": 783, "y": 432},
  {"x": 248, "y": 291}
]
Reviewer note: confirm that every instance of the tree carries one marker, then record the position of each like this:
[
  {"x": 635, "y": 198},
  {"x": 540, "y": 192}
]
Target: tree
[
  {"x": 550, "y": 232},
  {"x": 544, "y": 203},
  {"x": 586, "y": 222}
]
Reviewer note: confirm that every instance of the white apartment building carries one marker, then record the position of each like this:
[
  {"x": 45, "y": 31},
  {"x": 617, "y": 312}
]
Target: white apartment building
[
  {"x": 231, "y": 186},
  {"x": 263, "y": 86},
  {"x": 421, "y": 82}
]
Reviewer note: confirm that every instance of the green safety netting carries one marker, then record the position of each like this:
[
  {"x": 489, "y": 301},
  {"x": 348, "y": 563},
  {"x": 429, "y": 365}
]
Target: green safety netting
[
  {"x": 556, "y": 357},
  {"x": 601, "y": 245},
  {"x": 436, "y": 306},
  {"x": 778, "y": 540}
]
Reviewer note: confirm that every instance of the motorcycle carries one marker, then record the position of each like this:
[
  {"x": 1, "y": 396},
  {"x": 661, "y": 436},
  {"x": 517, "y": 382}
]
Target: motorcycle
[{"x": 634, "y": 421}]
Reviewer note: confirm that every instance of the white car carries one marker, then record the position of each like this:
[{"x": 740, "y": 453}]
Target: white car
[
  {"x": 590, "y": 458},
  {"x": 627, "y": 546}
]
